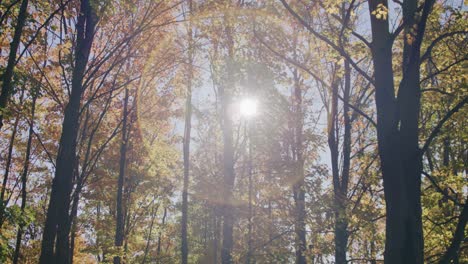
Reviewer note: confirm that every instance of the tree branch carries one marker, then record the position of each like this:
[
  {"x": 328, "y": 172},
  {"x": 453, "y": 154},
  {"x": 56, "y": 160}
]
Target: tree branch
[
  {"x": 327, "y": 41},
  {"x": 439, "y": 125},
  {"x": 437, "y": 40}
]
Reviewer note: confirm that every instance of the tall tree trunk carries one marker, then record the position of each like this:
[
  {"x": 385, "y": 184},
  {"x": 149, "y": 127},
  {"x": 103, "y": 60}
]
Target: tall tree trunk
[
  {"x": 397, "y": 132},
  {"x": 298, "y": 187},
  {"x": 216, "y": 227},
  {"x": 158, "y": 248},
  {"x": 186, "y": 147},
  {"x": 388, "y": 140},
  {"x": 7, "y": 77},
  {"x": 119, "y": 228},
  {"x": 56, "y": 229},
  {"x": 228, "y": 149},
  {"x": 73, "y": 220},
  {"x": 409, "y": 100},
  {"x": 339, "y": 210},
  {"x": 6, "y": 173},
  {"x": 452, "y": 253},
  {"x": 154, "y": 212},
  {"x": 341, "y": 190},
  {"x": 98, "y": 238},
  {"x": 250, "y": 194},
  {"x": 24, "y": 180},
  {"x": 4, "y": 201}
]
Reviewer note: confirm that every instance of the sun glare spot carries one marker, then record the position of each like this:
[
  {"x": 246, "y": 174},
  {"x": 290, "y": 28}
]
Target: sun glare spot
[{"x": 248, "y": 107}]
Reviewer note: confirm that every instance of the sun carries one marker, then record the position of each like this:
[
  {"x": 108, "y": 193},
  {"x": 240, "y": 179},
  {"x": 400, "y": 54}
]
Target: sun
[{"x": 248, "y": 107}]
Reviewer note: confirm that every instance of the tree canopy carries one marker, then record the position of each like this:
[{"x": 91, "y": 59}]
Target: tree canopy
[{"x": 220, "y": 131}]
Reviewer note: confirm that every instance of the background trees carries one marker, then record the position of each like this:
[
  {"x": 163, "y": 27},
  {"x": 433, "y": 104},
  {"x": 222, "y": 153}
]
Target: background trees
[{"x": 357, "y": 152}]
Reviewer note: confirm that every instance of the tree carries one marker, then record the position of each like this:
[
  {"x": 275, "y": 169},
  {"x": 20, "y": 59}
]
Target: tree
[
  {"x": 7, "y": 76},
  {"x": 120, "y": 222},
  {"x": 24, "y": 176},
  {"x": 57, "y": 214},
  {"x": 358, "y": 143},
  {"x": 398, "y": 134},
  {"x": 186, "y": 143}
]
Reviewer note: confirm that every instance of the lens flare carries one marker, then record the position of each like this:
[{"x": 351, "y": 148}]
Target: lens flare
[{"x": 248, "y": 107}]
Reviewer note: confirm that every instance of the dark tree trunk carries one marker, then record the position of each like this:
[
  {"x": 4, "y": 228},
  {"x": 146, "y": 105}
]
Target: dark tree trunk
[
  {"x": 120, "y": 221},
  {"x": 24, "y": 180},
  {"x": 154, "y": 212},
  {"x": 158, "y": 248},
  {"x": 388, "y": 141},
  {"x": 397, "y": 131},
  {"x": 6, "y": 174},
  {"x": 98, "y": 238},
  {"x": 56, "y": 229},
  {"x": 186, "y": 145},
  {"x": 4, "y": 201},
  {"x": 340, "y": 182},
  {"x": 452, "y": 253},
  {"x": 73, "y": 220},
  {"x": 7, "y": 77},
  {"x": 339, "y": 196}
]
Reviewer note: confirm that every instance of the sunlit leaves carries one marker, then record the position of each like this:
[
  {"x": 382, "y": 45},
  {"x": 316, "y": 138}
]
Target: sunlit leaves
[{"x": 380, "y": 12}]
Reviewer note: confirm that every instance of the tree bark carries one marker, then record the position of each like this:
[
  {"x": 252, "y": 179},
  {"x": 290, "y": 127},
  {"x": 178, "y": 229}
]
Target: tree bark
[
  {"x": 56, "y": 229},
  {"x": 6, "y": 174},
  {"x": 186, "y": 144},
  {"x": 340, "y": 182},
  {"x": 388, "y": 140},
  {"x": 119, "y": 228},
  {"x": 73, "y": 220},
  {"x": 7, "y": 77},
  {"x": 397, "y": 132},
  {"x": 452, "y": 253}
]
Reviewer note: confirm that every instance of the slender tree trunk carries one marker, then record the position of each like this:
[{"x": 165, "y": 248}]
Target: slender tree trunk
[
  {"x": 216, "y": 235},
  {"x": 228, "y": 150},
  {"x": 186, "y": 147},
  {"x": 250, "y": 193},
  {"x": 73, "y": 220},
  {"x": 154, "y": 212},
  {"x": 452, "y": 253},
  {"x": 298, "y": 187},
  {"x": 24, "y": 180},
  {"x": 4, "y": 201},
  {"x": 341, "y": 191},
  {"x": 56, "y": 231},
  {"x": 119, "y": 229},
  {"x": 339, "y": 210},
  {"x": 7, "y": 77},
  {"x": 6, "y": 174},
  {"x": 158, "y": 248},
  {"x": 98, "y": 238}
]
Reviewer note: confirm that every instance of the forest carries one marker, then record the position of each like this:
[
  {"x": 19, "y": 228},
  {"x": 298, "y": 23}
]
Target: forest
[{"x": 234, "y": 131}]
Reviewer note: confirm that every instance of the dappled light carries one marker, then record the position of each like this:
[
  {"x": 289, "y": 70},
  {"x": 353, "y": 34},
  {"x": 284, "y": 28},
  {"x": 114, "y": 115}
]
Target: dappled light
[{"x": 229, "y": 132}]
